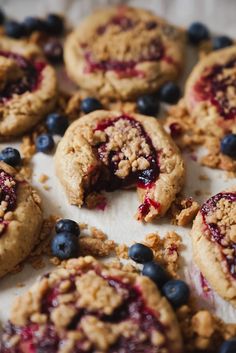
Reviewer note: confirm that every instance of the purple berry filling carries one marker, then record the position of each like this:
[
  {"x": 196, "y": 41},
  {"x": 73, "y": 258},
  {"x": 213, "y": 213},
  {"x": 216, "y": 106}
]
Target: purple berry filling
[
  {"x": 216, "y": 235},
  {"x": 213, "y": 85},
  {"x": 8, "y": 187},
  {"x": 35, "y": 339},
  {"x": 142, "y": 178},
  {"x": 29, "y": 82}
]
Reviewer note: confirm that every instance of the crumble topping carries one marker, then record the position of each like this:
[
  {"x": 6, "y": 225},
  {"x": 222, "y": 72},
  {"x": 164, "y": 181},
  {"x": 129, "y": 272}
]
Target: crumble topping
[
  {"x": 219, "y": 214},
  {"x": 8, "y": 200}
]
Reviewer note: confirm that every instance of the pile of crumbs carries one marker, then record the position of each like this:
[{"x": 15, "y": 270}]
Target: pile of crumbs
[{"x": 183, "y": 211}]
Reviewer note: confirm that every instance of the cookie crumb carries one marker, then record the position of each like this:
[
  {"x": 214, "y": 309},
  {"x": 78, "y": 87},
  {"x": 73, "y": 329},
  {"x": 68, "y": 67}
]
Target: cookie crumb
[
  {"x": 184, "y": 211},
  {"x": 43, "y": 178}
]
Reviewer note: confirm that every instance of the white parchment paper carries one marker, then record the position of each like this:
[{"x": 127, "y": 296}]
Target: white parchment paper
[{"x": 117, "y": 220}]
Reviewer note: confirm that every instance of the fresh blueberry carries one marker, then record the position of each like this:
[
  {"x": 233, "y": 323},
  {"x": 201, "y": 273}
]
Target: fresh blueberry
[
  {"x": 55, "y": 24},
  {"x": 67, "y": 225},
  {"x": 57, "y": 123},
  {"x": 44, "y": 143},
  {"x": 2, "y": 17},
  {"x": 228, "y": 346},
  {"x": 176, "y": 291},
  {"x": 32, "y": 24},
  {"x": 228, "y": 145},
  {"x": 169, "y": 93},
  {"x": 14, "y": 29},
  {"x": 221, "y": 42},
  {"x": 197, "y": 32},
  {"x": 53, "y": 50},
  {"x": 156, "y": 272},
  {"x": 90, "y": 104},
  {"x": 148, "y": 105},
  {"x": 10, "y": 156},
  {"x": 140, "y": 253},
  {"x": 65, "y": 245}
]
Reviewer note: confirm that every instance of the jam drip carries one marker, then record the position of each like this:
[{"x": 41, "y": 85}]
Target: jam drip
[
  {"x": 35, "y": 338},
  {"x": 216, "y": 235},
  {"x": 7, "y": 197},
  {"x": 29, "y": 81},
  {"x": 108, "y": 179},
  {"x": 216, "y": 86}
]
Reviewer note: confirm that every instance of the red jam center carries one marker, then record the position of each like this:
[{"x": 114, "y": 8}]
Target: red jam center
[
  {"x": 29, "y": 81},
  {"x": 216, "y": 235},
  {"x": 213, "y": 87},
  {"x": 141, "y": 178},
  {"x": 133, "y": 309},
  {"x": 7, "y": 196}
]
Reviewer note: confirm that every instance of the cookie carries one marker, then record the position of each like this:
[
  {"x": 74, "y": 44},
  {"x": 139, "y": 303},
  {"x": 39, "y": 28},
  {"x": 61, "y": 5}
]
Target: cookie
[
  {"x": 20, "y": 218},
  {"x": 28, "y": 87},
  {"x": 90, "y": 307},
  {"x": 214, "y": 243},
  {"x": 210, "y": 92},
  {"x": 107, "y": 150},
  {"x": 123, "y": 52}
]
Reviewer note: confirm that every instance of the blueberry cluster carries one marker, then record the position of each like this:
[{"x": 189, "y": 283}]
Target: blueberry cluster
[
  {"x": 65, "y": 244},
  {"x": 176, "y": 291},
  {"x": 56, "y": 125},
  {"x": 198, "y": 32},
  {"x": 149, "y": 104}
]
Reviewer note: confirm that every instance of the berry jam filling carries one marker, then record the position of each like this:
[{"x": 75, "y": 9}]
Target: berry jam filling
[
  {"x": 113, "y": 157},
  {"x": 7, "y": 197},
  {"x": 218, "y": 86},
  {"x": 175, "y": 130},
  {"x": 215, "y": 233},
  {"x": 45, "y": 338},
  {"x": 28, "y": 82}
]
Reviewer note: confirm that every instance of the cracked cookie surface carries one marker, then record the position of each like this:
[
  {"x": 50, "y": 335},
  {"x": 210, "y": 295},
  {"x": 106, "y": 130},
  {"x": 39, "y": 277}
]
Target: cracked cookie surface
[
  {"x": 210, "y": 92},
  {"x": 90, "y": 307},
  {"x": 28, "y": 87},
  {"x": 214, "y": 243},
  {"x": 122, "y": 52},
  {"x": 20, "y": 218},
  {"x": 107, "y": 150}
]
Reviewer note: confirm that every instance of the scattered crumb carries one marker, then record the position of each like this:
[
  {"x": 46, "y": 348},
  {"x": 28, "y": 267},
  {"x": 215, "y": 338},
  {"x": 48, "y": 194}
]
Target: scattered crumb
[
  {"x": 20, "y": 285},
  {"x": 203, "y": 177},
  {"x": 96, "y": 247},
  {"x": 122, "y": 251},
  {"x": 96, "y": 200},
  {"x": 183, "y": 211},
  {"x": 47, "y": 187},
  {"x": 197, "y": 192},
  {"x": 43, "y": 178}
]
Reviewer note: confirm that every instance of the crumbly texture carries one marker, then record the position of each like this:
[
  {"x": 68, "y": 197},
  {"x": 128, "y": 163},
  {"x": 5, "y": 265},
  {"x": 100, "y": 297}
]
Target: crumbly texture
[
  {"x": 210, "y": 92},
  {"x": 107, "y": 56},
  {"x": 83, "y": 283},
  {"x": 23, "y": 111},
  {"x": 183, "y": 211},
  {"x": 210, "y": 253},
  {"x": 188, "y": 135},
  {"x": 78, "y": 166},
  {"x": 23, "y": 224}
]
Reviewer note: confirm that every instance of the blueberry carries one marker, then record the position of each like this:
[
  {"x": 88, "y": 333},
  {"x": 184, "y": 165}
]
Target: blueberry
[
  {"x": 140, "y": 253},
  {"x": 67, "y": 225},
  {"x": 55, "y": 24},
  {"x": 169, "y": 93},
  {"x": 228, "y": 346},
  {"x": 14, "y": 29},
  {"x": 44, "y": 143},
  {"x": 2, "y": 17},
  {"x": 32, "y": 24},
  {"x": 90, "y": 104},
  {"x": 10, "y": 156},
  {"x": 65, "y": 245},
  {"x": 156, "y": 272},
  {"x": 177, "y": 292},
  {"x": 228, "y": 145},
  {"x": 221, "y": 42},
  {"x": 148, "y": 105},
  {"x": 53, "y": 51},
  {"x": 57, "y": 123},
  {"x": 197, "y": 32}
]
